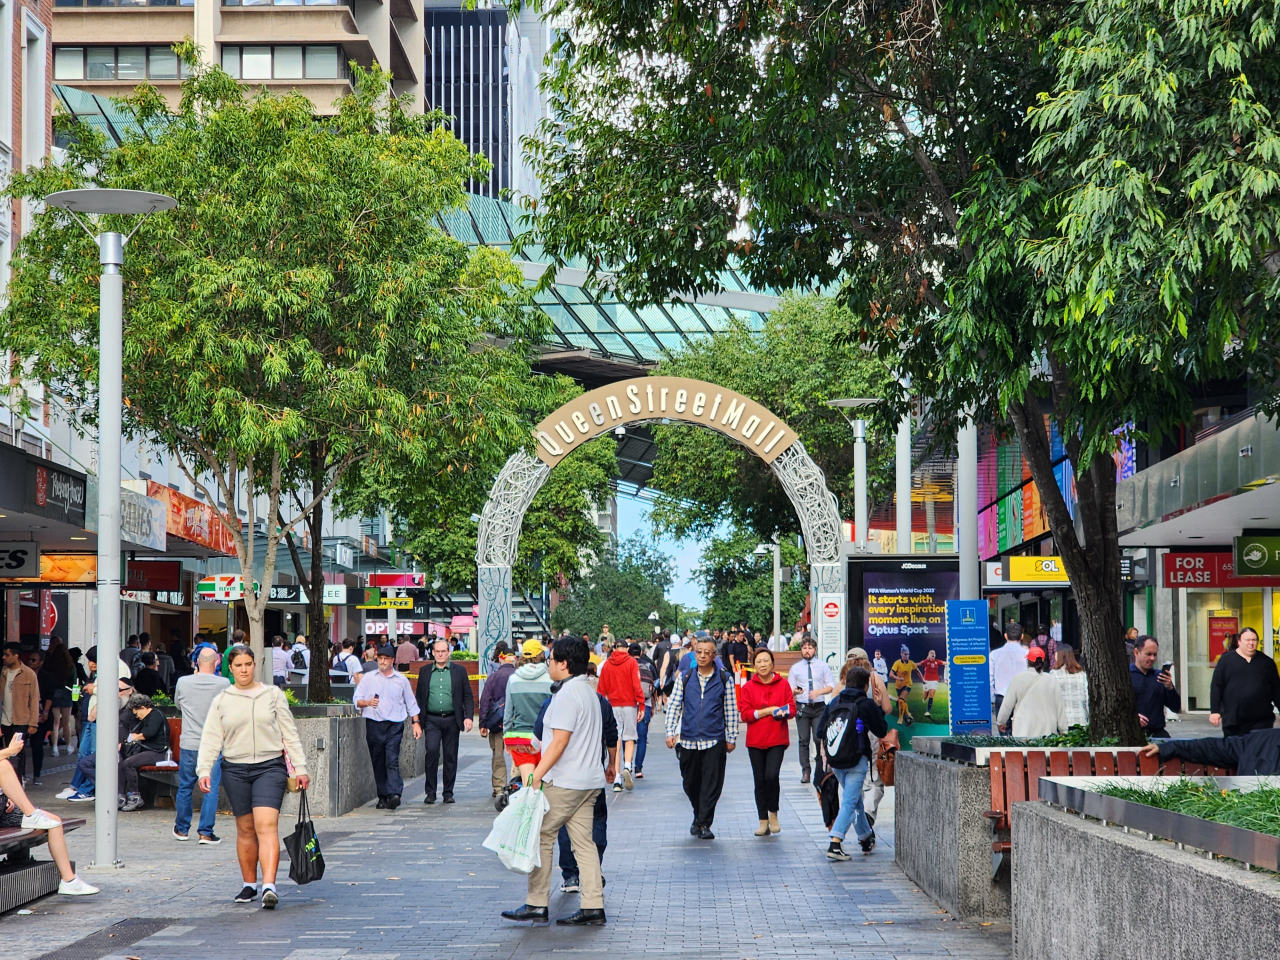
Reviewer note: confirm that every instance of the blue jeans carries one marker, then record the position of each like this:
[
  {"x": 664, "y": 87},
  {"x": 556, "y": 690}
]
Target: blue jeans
[
  {"x": 642, "y": 736},
  {"x": 186, "y": 784},
  {"x": 851, "y": 812},
  {"x": 88, "y": 742}
]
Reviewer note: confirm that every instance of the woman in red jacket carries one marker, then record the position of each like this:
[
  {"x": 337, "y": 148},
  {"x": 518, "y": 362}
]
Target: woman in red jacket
[{"x": 766, "y": 704}]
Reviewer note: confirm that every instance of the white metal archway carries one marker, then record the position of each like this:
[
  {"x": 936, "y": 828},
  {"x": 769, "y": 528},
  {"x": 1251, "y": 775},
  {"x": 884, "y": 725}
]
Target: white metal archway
[{"x": 638, "y": 401}]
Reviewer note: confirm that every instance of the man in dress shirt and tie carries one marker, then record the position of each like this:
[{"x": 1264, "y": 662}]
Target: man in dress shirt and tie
[
  {"x": 386, "y": 700},
  {"x": 811, "y": 680}
]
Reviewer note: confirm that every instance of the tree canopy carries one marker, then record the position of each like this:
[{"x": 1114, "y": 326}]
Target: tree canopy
[
  {"x": 1031, "y": 209},
  {"x": 621, "y": 590},
  {"x": 739, "y": 585},
  {"x": 801, "y": 359},
  {"x": 302, "y": 294}
]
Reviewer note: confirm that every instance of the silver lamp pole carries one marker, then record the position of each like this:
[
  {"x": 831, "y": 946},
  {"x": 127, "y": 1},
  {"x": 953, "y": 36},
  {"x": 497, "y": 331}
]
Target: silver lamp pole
[{"x": 110, "y": 399}]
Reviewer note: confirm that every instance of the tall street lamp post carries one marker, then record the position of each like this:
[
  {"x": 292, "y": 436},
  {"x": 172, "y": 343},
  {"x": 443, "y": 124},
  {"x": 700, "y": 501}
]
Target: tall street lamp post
[
  {"x": 760, "y": 551},
  {"x": 110, "y": 399}
]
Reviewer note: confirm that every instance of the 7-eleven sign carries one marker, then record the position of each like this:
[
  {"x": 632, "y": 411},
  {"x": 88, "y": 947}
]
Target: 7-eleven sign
[{"x": 223, "y": 586}]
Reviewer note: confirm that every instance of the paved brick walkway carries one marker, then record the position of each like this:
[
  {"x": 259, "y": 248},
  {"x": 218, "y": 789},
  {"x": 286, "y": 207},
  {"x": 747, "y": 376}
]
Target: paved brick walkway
[{"x": 417, "y": 884}]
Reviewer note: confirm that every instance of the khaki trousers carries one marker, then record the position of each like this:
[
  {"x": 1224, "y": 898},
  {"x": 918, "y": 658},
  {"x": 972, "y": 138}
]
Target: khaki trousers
[
  {"x": 499, "y": 762},
  {"x": 571, "y": 809}
]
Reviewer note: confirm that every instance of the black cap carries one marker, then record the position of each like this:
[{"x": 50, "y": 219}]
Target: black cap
[{"x": 387, "y": 651}]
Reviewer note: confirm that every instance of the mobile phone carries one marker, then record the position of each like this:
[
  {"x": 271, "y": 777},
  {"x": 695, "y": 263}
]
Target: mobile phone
[{"x": 1166, "y": 666}]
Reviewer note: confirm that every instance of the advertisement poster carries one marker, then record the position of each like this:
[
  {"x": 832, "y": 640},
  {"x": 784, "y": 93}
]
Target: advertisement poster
[
  {"x": 905, "y": 633},
  {"x": 968, "y": 666},
  {"x": 1221, "y": 630}
]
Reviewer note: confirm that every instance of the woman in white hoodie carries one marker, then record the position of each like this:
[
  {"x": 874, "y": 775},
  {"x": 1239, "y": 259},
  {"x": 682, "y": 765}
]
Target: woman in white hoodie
[{"x": 250, "y": 725}]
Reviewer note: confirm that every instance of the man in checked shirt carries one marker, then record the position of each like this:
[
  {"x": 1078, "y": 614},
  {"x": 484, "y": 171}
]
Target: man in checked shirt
[{"x": 702, "y": 724}]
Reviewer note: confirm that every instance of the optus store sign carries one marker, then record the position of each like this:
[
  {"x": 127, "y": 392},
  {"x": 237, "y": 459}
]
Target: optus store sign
[{"x": 1215, "y": 569}]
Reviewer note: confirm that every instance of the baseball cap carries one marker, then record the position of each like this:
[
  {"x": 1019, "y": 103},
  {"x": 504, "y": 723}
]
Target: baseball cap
[
  {"x": 387, "y": 650},
  {"x": 859, "y": 653},
  {"x": 531, "y": 648},
  {"x": 620, "y": 644},
  {"x": 1035, "y": 653}
]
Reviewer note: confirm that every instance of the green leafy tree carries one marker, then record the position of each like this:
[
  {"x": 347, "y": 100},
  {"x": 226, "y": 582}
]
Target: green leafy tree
[
  {"x": 621, "y": 590},
  {"x": 300, "y": 313},
  {"x": 1032, "y": 209},
  {"x": 738, "y": 584},
  {"x": 801, "y": 359}
]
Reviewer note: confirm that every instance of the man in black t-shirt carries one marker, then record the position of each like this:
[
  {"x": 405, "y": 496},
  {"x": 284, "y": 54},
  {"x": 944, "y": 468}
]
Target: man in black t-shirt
[{"x": 148, "y": 681}]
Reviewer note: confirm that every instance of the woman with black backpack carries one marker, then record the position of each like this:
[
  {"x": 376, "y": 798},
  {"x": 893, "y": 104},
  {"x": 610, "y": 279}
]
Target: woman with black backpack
[{"x": 844, "y": 737}]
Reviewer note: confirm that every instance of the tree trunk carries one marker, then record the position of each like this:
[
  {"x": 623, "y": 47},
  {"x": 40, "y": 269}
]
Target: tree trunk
[
  {"x": 318, "y": 690},
  {"x": 1092, "y": 565}
]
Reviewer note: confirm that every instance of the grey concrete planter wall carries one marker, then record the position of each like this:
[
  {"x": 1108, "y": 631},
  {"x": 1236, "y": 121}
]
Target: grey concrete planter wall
[
  {"x": 1082, "y": 891},
  {"x": 941, "y": 838},
  {"x": 340, "y": 768}
]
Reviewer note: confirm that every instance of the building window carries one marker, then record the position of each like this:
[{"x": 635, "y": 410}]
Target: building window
[
  {"x": 282, "y": 3},
  {"x": 124, "y": 3},
  {"x": 131, "y": 64},
  {"x": 284, "y": 62}
]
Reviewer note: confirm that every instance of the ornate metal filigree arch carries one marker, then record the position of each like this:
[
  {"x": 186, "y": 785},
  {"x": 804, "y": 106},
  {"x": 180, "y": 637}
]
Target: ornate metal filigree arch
[{"x": 524, "y": 474}]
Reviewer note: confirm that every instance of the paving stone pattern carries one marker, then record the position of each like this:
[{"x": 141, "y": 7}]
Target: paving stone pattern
[{"x": 416, "y": 885}]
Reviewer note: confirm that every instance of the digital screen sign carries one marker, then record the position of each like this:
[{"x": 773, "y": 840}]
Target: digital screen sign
[{"x": 907, "y": 608}]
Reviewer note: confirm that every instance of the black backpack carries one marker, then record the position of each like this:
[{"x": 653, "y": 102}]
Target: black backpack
[
  {"x": 845, "y": 736},
  {"x": 298, "y": 660}
]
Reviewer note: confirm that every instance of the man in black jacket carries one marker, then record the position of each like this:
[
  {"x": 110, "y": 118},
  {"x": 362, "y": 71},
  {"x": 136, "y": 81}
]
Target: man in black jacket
[
  {"x": 1255, "y": 754},
  {"x": 446, "y": 705}
]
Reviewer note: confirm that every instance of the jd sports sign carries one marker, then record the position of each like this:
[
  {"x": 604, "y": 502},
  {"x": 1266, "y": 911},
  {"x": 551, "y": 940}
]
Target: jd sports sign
[{"x": 662, "y": 398}]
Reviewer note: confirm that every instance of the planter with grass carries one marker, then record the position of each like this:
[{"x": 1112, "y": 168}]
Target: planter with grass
[
  {"x": 1176, "y": 867},
  {"x": 952, "y": 800}
]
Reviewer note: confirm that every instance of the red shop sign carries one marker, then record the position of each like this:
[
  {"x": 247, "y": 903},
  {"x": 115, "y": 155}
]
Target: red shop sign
[{"x": 1208, "y": 570}]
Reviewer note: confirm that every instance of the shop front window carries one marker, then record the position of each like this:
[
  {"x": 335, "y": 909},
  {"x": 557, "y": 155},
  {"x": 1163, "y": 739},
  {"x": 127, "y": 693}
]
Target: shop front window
[{"x": 1213, "y": 617}]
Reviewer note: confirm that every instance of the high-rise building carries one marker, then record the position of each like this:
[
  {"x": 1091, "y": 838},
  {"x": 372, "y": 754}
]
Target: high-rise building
[
  {"x": 25, "y": 104},
  {"x": 468, "y": 78},
  {"x": 109, "y": 46}
]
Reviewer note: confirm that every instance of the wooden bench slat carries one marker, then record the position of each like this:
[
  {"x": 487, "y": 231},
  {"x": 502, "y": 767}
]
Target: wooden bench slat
[
  {"x": 1081, "y": 763},
  {"x": 1127, "y": 764},
  {"x": 1037, "y": 767},
  {"x": 1148, "y": 766},
  {"x": 1015, "y": 783},
  {"x": 1104, "y": 764},
  {"x": 1193, "y": 769},
  {"x": 1059, "y": 763},
  {"x": 997, "y": 789}
]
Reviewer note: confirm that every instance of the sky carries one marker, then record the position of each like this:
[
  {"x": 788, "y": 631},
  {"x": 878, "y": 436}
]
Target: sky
[{"x": 687, "y": 591}]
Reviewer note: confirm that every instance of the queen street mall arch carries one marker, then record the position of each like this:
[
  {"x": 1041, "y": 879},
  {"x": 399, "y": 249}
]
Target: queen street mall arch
[{"x": 645, "y": 400}]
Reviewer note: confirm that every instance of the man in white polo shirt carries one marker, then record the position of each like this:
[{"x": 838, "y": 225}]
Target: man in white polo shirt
[{"x": 571, "y": 774}]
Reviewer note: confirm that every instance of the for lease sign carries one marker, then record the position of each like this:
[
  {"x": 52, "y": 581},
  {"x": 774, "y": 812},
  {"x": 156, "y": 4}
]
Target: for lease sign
[{"x": 1208, "y": 569}]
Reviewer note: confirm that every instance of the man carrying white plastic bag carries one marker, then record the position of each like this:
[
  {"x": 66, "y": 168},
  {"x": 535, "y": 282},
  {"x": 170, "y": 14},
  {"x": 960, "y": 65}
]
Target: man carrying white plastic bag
[
  {"x": 569, "y": 776},
  {"x": 516, "y": 836}
]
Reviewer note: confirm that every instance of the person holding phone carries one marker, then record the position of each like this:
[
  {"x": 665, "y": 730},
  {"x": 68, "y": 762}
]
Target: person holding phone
[
  {"x": 1244, "y": 688},
  {"x": 766, "y": 704},
  {"x": 1152, "y": 692},
  {"x": 250, "y": 725}
]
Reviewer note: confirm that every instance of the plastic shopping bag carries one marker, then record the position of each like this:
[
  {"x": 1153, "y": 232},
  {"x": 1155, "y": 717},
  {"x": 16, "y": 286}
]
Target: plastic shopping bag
[{"x": 516, "y": 836}]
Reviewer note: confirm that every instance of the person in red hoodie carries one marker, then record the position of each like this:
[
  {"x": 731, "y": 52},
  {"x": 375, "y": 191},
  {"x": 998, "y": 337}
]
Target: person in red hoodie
[
  {"x": 619, "y": 683},
  {"x": 766, "y": 703}
]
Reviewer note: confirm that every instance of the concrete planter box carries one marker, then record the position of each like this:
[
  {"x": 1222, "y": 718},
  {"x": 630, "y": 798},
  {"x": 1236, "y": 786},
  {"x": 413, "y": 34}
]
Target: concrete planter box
[
  {"x": 341, "y": 771},
  {"x": 1126, "y": 896},
  {"x": 943, "y": 841}
]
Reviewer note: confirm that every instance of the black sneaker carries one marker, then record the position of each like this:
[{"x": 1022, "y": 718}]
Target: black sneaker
[
  {"x": 428, "y": 799},
  {"x": 393, "y": 801},
  {"x": 694, "y": 829},
  {"x": 247, "y": 895},
  {"x": 449, "y": 799},
  {"x": 706, "y": 834},
  {"x": 868, "y": 844},
  {"x": 209, "y": 839},
  {"x": 836, "y": 851},
  {"x": 381, "y": 804},
  {"x": 269, "y": 899},
  {"x": 571, "y": 885}
]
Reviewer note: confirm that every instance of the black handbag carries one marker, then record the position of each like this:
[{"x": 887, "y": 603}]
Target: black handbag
[{"x": 306, "y": 862}]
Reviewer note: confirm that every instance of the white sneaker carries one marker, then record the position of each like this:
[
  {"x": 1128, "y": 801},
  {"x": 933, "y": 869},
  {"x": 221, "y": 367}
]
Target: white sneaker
[
  {"x": 75, "y": 887},
  {"x": 55, "y": 749},
  {"x": 39, "y": 820},
  {"x": 65, "y": 793},
  {"x": 628, "y": 778}
]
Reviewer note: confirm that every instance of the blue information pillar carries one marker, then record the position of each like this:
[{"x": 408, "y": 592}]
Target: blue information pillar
[{"x": 969, "y": 666}]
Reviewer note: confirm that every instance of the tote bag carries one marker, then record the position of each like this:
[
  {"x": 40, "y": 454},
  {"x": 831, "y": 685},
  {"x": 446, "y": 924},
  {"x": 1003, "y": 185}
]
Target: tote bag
[{"x": 306, "y": 862}]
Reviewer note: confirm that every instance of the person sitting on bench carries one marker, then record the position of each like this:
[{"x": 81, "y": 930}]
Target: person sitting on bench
[
  {"x": 1255, "y": 754},
  {"x": 16, "y": 810}
]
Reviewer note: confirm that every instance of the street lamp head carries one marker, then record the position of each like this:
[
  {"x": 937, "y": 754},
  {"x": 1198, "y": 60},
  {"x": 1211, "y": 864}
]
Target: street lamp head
[
  {"x": 854, "y": 402},
  {"x": 761, "y": 550},
  {"x": 110, "y": 201}
]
